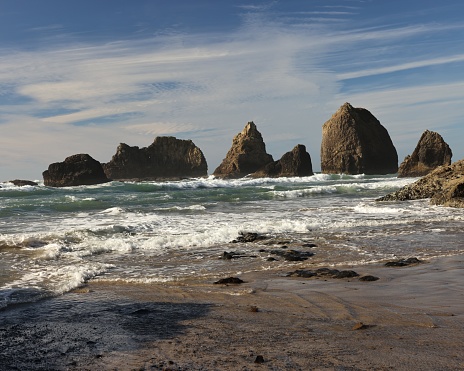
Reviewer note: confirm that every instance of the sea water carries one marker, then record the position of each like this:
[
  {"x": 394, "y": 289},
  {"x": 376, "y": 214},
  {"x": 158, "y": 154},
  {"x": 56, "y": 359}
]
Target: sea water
[{"x": 53, "y": 240}]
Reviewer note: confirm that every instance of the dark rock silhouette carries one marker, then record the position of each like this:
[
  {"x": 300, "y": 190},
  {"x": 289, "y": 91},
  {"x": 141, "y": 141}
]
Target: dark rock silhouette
[
  {"x": 21, "y": 182},
  {"x": 75, "y": 170},
  {"x": 354, "y": 142},
  {"x": 431, "y": 151},
  {"x": 166, "y": 158},
  {"x": 297, "y": 162},
  {"x": 247, "y": 154},
  {"x": 444, "y": 186}
]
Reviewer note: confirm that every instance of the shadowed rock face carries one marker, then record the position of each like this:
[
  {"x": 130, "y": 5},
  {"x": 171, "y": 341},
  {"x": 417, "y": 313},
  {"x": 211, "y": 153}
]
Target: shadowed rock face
[
  {"x": 431, "y": 151},
  {"x": 247, "y": 154},
  {"x": 444, "y": 186},
  {"x": 297, "y": 162},
  {"x": 75, "y": 170},
  {"x": 165, "y": 158},
  {"x": 354, "y": 142}
]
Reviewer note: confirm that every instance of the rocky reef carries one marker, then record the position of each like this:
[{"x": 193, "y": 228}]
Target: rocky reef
[
  {"x": 166, "y": 158},
  {"x": 80, "y": 169},
  {"x": 354, "y": 142},
  {"x": 444, "y": 186},
  {"x": 247, "y": 154},
  {"x": 431, "y": 152},
  {"x": 295, "y": 163}
]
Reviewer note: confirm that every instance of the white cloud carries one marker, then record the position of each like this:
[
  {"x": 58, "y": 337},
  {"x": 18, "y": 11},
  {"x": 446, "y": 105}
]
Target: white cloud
[{"x": 282, "y": 76}]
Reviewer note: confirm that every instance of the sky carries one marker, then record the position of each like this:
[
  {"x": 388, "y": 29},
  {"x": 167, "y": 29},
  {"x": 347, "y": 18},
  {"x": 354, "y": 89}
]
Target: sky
[{"x": 83, "y": 76}]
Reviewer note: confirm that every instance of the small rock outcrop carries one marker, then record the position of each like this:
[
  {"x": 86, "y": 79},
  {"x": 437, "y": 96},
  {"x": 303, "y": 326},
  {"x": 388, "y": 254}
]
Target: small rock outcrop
[
  {"x": 295, "y": 163},
  {"x": 444, "y": 186},
  {"x": 75, "y": 170},
  {"x": 21, "y": 182},
  {"x": 431, "y": 152},
  {"x": 247, "y": 154},
  {"x": 166, "y": 158},
  {"x": 354, "y": 142}
]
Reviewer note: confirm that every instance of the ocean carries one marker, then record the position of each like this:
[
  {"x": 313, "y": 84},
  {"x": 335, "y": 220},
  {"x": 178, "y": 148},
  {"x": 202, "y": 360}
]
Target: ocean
[{"x": 54, "y": 240}]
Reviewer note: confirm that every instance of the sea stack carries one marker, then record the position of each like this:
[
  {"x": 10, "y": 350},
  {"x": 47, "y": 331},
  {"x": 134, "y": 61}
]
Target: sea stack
[
  {"x": 431, "y": 152},
  {"x": 354, "y": 142},
  {"x": 444, "y": 186},
  {"x": 295, "y": 163},
  {"x": 80, "y": 169},
  {"x": 166, "y": 158},
  {"x": 247, "y": 154}
]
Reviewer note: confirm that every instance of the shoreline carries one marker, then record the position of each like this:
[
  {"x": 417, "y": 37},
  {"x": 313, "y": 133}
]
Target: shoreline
[{"x": 411, "y": 318}]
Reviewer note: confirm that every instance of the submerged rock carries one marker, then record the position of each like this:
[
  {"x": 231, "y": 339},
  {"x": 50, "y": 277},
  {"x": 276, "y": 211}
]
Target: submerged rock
[
  {"x": 354, "y": 142},
  {"x": 80, "y": 169},
  {"x": 323, "y": 273},
  {"x": 295, "y": 163},
  {"x": 431, "y": 152},
  {"x": 247, "y": 154},
  {"x": 444, "y": 186},
  {"x": 166, "y": 158}
]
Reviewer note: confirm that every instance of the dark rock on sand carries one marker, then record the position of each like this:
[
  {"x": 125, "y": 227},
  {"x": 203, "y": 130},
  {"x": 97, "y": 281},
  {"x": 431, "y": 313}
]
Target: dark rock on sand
[
  {"x": 247, "y": 154},
  {"x": 354, "y": 142},
  {"x": 75, "y": 170},
  {"x": 232, "y": 280},
  {"x": 403, "y": 262},
  {"x": 296, "y": 163},
  {"x": 323, "y": 273},
  {"x": 368, "y": 278},
  {"x": 259, "y": 359},
  {"x": 21, "y": 182},
  {"x": 431, "y": 152},
  {"x": 166, "y": 158},
  {"x": 444, "y": 186}
]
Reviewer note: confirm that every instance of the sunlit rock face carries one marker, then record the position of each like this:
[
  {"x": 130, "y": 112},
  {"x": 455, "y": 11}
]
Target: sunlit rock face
[{"x": 354, "y": 142}]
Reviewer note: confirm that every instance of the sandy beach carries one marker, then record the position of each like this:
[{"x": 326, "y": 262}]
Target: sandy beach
[{"x": 412, "y": 318}]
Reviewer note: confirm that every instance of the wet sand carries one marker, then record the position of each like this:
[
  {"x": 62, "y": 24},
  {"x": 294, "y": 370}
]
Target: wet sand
[{"x": 412, "y": 318}]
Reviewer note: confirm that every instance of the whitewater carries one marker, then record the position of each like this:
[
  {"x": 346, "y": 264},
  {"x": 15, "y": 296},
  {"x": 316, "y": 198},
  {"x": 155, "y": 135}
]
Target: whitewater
[{"x": 54, "y": 240}]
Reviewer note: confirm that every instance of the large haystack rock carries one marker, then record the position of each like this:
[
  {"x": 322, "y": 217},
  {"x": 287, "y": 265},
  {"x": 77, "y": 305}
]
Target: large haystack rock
[
  {"x": 431, "y": 152},
  {"x": 297, "y": 162},
  {"x": 444, "y": 186},
  {"x": 166, "y": 158},
  {"x": 75, "y": 170},
  {"x": 247, "y": 154},
  {"x": 354, "y": 142}
]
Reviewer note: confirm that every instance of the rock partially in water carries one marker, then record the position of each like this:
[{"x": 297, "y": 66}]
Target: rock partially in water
[
  {"x": 166, "y": 158},
  {"x": 355, "y": 142},
  {"x": 248, "y": 237},
  {"x": 247, "y": 154},
  {"x": 431, "y": 152},
  {"x": 21, "y": 182},
  {"x": 293, "y": 255},
  {"x": 80, "y": 169},
  {"x": 296, "y": 163},
  {"x": 323, "y": 273},
  {"x": 444, "y": 186},
  {"x": 403, "y": 262}
]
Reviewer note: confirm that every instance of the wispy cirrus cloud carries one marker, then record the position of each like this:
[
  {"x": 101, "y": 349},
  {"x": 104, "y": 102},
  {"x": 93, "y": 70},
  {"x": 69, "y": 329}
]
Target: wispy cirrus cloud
[{"x": 286, "y": 76}]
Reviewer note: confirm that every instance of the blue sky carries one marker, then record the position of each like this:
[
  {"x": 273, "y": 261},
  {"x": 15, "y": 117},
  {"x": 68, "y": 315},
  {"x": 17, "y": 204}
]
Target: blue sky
[{"x": 83, "y": 76}]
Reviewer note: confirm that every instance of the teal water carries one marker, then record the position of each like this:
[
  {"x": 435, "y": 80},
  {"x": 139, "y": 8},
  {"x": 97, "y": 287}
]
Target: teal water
[{"x": 54, "y": 239}]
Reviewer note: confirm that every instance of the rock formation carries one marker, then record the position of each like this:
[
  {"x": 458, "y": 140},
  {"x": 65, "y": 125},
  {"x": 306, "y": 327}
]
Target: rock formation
[
  {"x": 294, "y": 163},
  {"x": 76, "y": 170},
  {"x": 22, "y": 182},
  {"x": 444, "y": 186},
  {"x": 354, "y": 142},
  {"x": 431, "y": 151},
  {"x": 247, "y": 154},
  {"x": 166, "y": 158}
]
